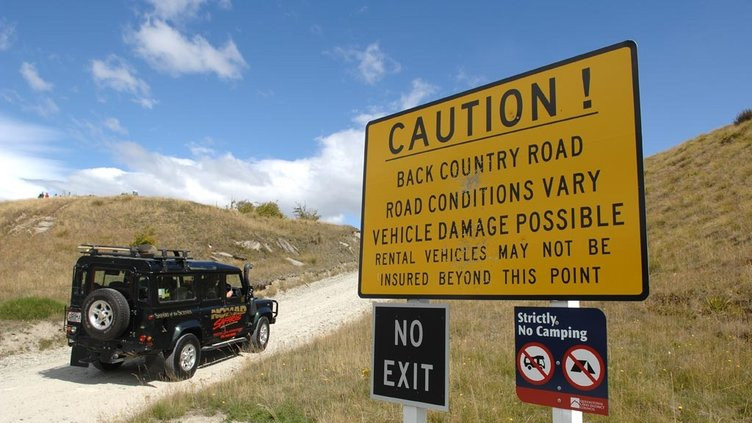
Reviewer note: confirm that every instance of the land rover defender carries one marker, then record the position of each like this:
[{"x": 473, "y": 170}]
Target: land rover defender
[{"x": 128, "y": 302}]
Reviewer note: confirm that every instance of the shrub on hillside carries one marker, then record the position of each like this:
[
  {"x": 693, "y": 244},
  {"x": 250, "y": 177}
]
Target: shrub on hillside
[
  {"x": 146, "y": 237},
  {"x": 244, "y": 206},
  {"x": 304, "y": 213},
  {"x": 743, "y": 116},
  {"x": 269, "y": 209}
]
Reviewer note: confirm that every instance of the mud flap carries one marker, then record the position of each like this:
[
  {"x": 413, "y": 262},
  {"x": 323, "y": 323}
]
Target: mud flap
[{"x": 79, "y": 357}]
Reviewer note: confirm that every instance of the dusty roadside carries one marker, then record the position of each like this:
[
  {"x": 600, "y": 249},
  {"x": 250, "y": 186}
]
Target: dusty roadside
[
  {"x": 25, "y": 337},
  {"x": 41, "y": 386}
]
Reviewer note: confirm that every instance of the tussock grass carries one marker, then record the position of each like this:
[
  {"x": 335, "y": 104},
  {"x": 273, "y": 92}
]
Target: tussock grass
[
  {"x": 682, "y": 355},
  {"x": 743, "y": 116},
  {"x": 31, "y": 308},
  {"x": 39, "y": 263},
  {"x": 56, "y": 341}
]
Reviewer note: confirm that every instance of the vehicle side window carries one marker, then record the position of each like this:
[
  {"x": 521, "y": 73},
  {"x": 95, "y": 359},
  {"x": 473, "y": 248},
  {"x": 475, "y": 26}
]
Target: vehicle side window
[
  {"x": 175, "y": 288},
  {"x": 143, "y": 288},
  {"x": 211, "y": 286},
  {"x": 233, "y": 282},
  {"x": 81, "y": 276}
]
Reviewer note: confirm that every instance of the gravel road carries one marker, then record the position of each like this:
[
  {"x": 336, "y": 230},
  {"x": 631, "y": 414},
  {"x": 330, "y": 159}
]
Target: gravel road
[{"x": 42, "y": 387}]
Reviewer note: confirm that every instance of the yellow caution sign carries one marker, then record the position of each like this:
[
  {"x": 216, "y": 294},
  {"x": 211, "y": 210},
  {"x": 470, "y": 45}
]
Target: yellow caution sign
[{"x": 529, "y": 188}]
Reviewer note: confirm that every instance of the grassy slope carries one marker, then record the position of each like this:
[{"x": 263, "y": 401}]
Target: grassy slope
[
  {"x": 681, "y": 355},
  {"x": 40, "y": 264}
]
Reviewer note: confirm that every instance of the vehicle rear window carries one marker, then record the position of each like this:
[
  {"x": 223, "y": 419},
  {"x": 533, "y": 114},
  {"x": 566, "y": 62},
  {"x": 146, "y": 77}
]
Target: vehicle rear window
[
  {"x": 109, "y": 278},
  {"x": 175, "y": 288}
]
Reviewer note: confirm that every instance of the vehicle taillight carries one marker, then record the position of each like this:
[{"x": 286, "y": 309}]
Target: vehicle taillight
[{"x": 142, "y": 339}]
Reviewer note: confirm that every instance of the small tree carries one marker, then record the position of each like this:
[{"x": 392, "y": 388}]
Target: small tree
[
  {"x": 146, "y": 237},
  {"x": 269, "y": 209},
  {"x": 244, "y": 206},
  {"x": 304, "y": 213},
  {"x": 743, "y": 116}
]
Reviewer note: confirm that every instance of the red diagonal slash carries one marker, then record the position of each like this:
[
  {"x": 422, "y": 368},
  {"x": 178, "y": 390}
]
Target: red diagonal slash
[
  {"x": 582, "y": 368},
  {"x": 535, "y": 363}
]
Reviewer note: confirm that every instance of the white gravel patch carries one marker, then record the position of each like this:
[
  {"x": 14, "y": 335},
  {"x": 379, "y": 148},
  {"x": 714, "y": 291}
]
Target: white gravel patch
[{"x": 42, "y": 387}]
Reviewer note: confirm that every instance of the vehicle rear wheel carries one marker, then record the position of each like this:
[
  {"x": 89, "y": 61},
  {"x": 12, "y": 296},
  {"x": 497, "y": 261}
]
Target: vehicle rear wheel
[
  {"x": 183, "y": 361},
  {"x": 260, "y": 336},
  {"x": 105, "y": 314},
  {"x": 107, "y": 367}
]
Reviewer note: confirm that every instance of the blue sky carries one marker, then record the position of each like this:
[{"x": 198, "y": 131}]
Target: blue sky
[{"x": 219, "y": 100}]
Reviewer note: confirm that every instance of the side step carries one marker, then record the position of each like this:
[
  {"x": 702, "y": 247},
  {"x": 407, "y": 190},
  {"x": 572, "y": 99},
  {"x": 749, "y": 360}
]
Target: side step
[{"x": 223, "y": 344}]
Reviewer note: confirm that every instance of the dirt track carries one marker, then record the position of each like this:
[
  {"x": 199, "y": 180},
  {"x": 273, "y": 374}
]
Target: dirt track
[{"x": 42, "y": 387}]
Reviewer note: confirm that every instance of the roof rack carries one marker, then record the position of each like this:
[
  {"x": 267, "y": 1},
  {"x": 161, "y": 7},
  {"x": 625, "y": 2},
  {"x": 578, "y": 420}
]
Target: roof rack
[{"x": 138, "y": 251}]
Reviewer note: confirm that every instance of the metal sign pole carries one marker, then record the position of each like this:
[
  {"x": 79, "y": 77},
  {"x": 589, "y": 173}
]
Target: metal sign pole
[
  {"x": 560, "y": 415},
  {"x": 411, "y": 414}
]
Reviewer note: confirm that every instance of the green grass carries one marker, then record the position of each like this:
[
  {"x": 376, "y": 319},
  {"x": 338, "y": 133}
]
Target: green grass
[{"x": 31, "y": 308}]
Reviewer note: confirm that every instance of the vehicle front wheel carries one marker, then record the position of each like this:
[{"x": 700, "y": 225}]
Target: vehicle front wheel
[
  {"x": 183, "y": 361},
  {"x": 260, "y": 336}
]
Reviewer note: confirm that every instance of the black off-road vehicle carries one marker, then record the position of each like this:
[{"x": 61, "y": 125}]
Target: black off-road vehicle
[{"x": 133, "y": 301}]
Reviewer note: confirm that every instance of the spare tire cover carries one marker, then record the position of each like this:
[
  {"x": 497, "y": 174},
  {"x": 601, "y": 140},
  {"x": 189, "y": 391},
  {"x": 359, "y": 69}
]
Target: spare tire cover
[{"x": 106, "y": 314}]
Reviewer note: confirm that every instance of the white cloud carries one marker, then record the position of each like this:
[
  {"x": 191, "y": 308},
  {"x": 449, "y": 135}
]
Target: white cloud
[
  {"x": 176, "y": 9},
  {"x": 113, "y": 124},
  {"x": 362, "y": 119},
  {"x": 417, "y": 95},
  {"x": 373, "y": 64},
  {"x": 116, "y": 74},
  {"x": 419, "y": 92},
  {"x": 202, "y": 148},
  {"x": 169, "y": 51},
  {"x": 469, "y": 80},
  {"x": 30, "y": 74},
  {"x": 22, "y": 161},
  {"x": 329, "y": 181},
  {"x": 45, "y": 107},
  {"x": 7, "y": 34}
]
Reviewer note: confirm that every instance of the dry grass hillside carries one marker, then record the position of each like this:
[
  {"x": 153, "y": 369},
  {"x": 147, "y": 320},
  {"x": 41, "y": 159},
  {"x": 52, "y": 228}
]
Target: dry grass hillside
[
  {"x": 699, "y": 209},
  {"x": 682, "y": 355},
  {"x": 38, "y": 240}
]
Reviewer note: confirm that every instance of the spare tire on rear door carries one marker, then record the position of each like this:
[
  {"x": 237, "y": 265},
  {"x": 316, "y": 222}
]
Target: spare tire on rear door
[{"x": 106, "y": 314}]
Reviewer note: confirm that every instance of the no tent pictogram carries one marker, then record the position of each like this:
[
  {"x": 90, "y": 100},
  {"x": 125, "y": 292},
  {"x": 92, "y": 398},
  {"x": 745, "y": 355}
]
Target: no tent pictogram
[
  {"x": 583, "y": 367},
  {"x": 535, "y": 363}
]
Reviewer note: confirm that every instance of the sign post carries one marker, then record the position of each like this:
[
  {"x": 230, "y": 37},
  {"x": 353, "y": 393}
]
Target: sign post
[{"x": 560, "y": 415}]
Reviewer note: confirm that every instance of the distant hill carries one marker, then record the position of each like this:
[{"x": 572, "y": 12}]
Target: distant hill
[{"x": 38, "y": 239}]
